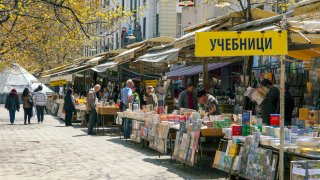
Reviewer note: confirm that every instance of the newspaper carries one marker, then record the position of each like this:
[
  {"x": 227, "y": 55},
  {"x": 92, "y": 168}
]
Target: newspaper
[{"x": 254, "y": 95}]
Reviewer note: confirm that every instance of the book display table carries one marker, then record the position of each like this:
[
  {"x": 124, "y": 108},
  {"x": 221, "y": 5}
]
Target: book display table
[{"x": 104, "y": 113}]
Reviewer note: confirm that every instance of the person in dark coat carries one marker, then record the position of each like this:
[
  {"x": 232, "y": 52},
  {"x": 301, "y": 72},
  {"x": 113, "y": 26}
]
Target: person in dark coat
[
  {"x": 188, "y": 98},
  {"x": 27, "y": 105},
  {"x": 288, "y": 105},
  {"x": 115, "y": 94},
  {"x": 69, "y": 107},
  {"x": 271, "y": 102},
  {"x": 12, "y": 104}
]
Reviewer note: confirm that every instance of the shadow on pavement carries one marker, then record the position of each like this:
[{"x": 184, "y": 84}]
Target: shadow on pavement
[
  {"x": 80, "y": 135},
  {"x": 189, "y": 172},
  {"x": 135, "y": 146}
]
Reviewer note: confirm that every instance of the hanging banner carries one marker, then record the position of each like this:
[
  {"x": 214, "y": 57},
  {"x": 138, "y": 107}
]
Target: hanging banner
[
  {"x": 245, "y": 43},
  {"x": 58, "y": 82}
]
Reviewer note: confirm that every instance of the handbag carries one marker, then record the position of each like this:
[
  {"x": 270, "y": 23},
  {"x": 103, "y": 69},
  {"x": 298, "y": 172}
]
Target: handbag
[{"x": 30, "y": 102}]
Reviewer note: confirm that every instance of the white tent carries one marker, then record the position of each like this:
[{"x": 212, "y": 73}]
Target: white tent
[{"x": 18, "y": 78}]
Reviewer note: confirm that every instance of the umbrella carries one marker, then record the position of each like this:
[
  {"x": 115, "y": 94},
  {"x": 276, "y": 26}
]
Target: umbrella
[{"x": 18, "y": 78}]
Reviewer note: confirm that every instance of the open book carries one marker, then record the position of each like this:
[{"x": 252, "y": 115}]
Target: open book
[{"x": 254, "y": 95}]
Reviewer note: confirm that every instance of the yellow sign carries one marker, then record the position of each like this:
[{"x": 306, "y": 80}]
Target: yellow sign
[
  {"x": 58, "y": 82},
  {"x": 245, "y": 43},
  {"x": 152, "y": 83}
]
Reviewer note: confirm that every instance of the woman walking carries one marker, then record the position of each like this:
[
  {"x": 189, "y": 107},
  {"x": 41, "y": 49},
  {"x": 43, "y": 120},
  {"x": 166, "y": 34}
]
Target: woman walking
[
  {"x": 27, "y": 105},
  {"x": 69, "y": 106},
  {"x": 12, "y": 104}
]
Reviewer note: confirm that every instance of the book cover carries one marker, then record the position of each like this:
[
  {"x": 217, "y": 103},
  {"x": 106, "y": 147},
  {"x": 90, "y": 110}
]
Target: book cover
[{"x": 246, "y": 117}]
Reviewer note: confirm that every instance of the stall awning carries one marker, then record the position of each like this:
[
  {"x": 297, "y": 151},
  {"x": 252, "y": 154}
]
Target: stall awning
[
  {"x": 188, "y": 39},
  {"x": 127, "y": 55},
  {"x": 192, "y": 70},
  {"x": 160, "y": 56},
  {"x": 94, "y": 60},
  {"x": 156, "y": 40},
  {"x": 103, "y": 67},
  {"x": 70, "y": 71},
  {"x": 305, "y": 54}
]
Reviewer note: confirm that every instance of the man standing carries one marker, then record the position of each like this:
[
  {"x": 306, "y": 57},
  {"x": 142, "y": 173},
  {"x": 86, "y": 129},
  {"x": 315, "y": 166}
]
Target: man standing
[
  {"x": 40, "y": 99},
  {"x": 188, "y": 98},
  {"x": 271, "y": 102},
  {"x": 126, "y": 98},
  {"x": 288, "y": 106},
  {"x": 91, "y": 108}
]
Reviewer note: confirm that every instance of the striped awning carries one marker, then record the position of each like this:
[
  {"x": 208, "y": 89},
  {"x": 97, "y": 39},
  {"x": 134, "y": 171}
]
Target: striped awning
[{"x": 192, "y": 70}]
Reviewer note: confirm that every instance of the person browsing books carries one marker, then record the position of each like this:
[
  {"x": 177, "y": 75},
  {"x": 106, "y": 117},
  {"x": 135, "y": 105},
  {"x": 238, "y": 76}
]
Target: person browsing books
[
  {"x": 270, "y": 104},
  {"x": 188, "y": 98},
  {"x": 209, "y": 102}
]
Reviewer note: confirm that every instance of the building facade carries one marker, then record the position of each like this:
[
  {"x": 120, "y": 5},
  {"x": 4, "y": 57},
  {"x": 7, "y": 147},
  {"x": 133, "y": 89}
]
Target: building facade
[{"x": 151, "y": 18}]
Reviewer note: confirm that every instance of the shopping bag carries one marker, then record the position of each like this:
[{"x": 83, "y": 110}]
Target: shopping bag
[{"x": 34, "y": 111}]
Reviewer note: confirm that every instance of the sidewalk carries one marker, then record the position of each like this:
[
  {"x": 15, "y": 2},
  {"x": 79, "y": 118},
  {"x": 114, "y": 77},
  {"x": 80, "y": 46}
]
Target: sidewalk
[{"x": 53, "y": 151}]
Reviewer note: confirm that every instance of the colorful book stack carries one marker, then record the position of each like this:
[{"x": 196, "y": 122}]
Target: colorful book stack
[
  {"x": 186, "y": 143},
  {"x": 246, "y": 121},
  {"x": 225, "y": 160},
  {"x": 137, "y": 133}
]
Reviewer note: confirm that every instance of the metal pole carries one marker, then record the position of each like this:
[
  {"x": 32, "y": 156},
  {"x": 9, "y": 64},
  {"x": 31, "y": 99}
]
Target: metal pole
[
  {"x": 205, "y": 74},
  {"x": 281, "y": 166},
  {"x": 282, "y": 78},
  {"x": 142, "y": 74}
]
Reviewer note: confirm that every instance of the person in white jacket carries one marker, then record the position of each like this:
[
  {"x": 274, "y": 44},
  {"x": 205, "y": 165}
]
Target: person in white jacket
[{"x": 40, "y": 101}]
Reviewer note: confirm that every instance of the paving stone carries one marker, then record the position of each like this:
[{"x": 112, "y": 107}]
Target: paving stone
[{"x": 52, "y": 151}]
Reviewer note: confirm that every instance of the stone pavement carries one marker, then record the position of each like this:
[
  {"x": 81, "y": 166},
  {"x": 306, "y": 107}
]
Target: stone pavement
[{"x": 52, "y": 151}]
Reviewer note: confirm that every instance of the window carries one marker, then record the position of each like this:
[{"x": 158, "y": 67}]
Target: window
[
  {"x": 157, "y": 26},
  {"x": 179, "y": 25},
  {"x": 144, "y": 27},
  {"x": 131, "y": 4},
  {"x": 135, "y": 4},
  {"x": 117, "y": 41},
  {"x": 122, "y": 4},
  {"x": 144, "y": 2}
]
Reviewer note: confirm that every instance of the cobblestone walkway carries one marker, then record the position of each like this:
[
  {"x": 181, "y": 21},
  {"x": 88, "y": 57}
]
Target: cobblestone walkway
[{"x": 52, "y": 151}]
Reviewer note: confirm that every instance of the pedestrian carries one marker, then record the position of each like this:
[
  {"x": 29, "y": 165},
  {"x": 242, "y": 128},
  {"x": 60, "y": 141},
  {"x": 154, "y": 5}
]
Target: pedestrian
[
  {"x": 270, "y": 104},
  {"x": 12, "y": 104},
  {"x": 106, "y": 94},
  {"x": 28, "y": 104},
  {"x": 209, "y": 103},
  {"x": 126, "y": 99},
  {"x": 136, "y": 96},
  {"x": 115, "y": 94},
  {"x": 91, "y": 108},
  {"x": 151, "y": 97},
  {"x": 188, "y": 98},
  {"x": 40, "y": 100},
  {"x": 288, "y": 105},
  {"x": 69, "y": 106}
]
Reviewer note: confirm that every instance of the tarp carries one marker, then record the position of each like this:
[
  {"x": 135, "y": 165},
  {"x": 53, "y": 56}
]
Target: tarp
[
  {"x": 188, "y": 39},
  {"x": 72, "y": 70},
  {"x": 127, "y": 55},
  {"x": 160, "y": 56},
  {"x": 94, "y": 60},
  {"x": 18, "y": 78},
  {"x": 103, "y": 67},
  {"x": 305, "y": 54},
  {"x": 192, "y": 70}
]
